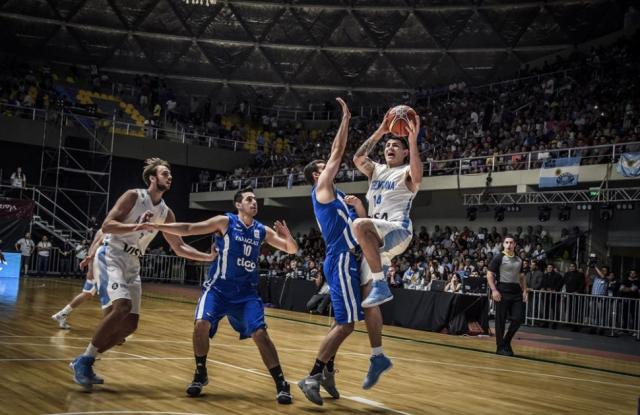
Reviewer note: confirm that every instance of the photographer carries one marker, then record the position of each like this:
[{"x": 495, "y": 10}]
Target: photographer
[{"x": 321, "y": 299}]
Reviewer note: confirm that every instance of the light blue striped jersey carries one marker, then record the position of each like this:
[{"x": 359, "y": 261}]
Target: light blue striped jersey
[
  {"x": 335, "y": 221},
  {"x": 238, "y": 252}
]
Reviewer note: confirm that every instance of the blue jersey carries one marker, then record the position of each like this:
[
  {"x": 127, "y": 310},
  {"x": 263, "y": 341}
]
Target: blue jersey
[
  {"x": 238, "y": 250},
  {"x": 335, "y": 220}
]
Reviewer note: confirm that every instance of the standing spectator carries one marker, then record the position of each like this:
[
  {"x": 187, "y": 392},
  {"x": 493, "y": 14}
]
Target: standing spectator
[
  {"x": 66, "y": 256},
  {"x": 81, "y": 253},
  {"x": 25, "y": 246},
  {"x": 630, "y": 288},
  {"x": 44, "y": 251},
  {"x": 600, "y": 285},
  {"x": 573, "y": 283},
  {"x": 18, "y": 182},
  {"x": 574, "y": 280},
  {"x": 552, "y": 283},
  {"x": 600, "y": 288},
  {"x": 321, "y": 299},
  {"x": 91, "y": 227},
  {"x": 534, "y": 277}
]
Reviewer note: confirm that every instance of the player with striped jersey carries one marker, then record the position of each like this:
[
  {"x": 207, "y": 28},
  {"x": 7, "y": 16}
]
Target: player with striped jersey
[
  {"x": 231, "y": 287},
  {"x": 341, "y": 267}
]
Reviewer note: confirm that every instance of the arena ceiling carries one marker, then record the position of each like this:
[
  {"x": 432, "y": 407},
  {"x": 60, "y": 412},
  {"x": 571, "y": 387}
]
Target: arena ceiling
[{"x": 299, "y": 50}]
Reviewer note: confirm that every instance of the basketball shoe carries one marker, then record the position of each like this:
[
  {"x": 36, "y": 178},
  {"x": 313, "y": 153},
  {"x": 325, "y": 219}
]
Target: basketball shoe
[
  {"x": 310, "y": 386},
  {"x": 83, "y": 373},
  {"x": 380, "y": 294},
  {"x": 329, "y": 383},
  {"x": 62, "y": 321},
  {"x": 378, "y": 365}
]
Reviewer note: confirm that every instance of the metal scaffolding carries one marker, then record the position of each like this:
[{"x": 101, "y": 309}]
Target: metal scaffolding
[
  {"x": 562, "y": 197},
  {"x": 76, "y": 174}
]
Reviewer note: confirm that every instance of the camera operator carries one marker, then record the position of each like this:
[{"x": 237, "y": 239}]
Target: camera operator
[{"x": 321, "y": 299}]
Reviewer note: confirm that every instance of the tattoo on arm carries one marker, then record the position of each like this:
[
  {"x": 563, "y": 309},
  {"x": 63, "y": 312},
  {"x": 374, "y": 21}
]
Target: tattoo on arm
[{"x": 366, "y": 147}]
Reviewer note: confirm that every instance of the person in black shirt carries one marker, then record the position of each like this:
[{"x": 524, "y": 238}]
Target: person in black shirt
[
  {"x": 509, "y": 292},
  {"x": 630, "y": 288},
  {"x": 552, "y": 282},
  {"x": 574, "y": 280}
]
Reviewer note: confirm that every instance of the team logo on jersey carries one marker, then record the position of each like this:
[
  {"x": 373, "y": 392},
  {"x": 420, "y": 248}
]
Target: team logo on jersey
[
  {"x": 114, "y": 286},
  {"x": 256, "y": 233},
  {"x": 248, "y": 266}
]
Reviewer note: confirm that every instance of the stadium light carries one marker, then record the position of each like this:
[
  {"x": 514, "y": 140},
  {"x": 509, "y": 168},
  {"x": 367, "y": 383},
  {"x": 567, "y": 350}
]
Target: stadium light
[
  {"x": 544, "y": 213},
  {"x": 472, "y": 213},
  {"x": 564, "y": 214},
  {"x": 499, "y": 214}
]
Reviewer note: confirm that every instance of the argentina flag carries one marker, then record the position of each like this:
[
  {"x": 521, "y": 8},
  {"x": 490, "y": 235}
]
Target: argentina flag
[
  {"x": 560, "y": 172},
  {"x": 629, "y": 165}
]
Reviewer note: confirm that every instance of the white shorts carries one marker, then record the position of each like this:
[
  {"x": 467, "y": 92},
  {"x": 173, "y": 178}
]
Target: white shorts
[
  {"x": 118, "y": 276},
  {"x": 395, "y": 240}
]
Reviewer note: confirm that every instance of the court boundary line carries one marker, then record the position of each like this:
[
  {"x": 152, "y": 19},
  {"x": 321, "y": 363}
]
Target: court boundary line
[{"x": 395, "y": 337}]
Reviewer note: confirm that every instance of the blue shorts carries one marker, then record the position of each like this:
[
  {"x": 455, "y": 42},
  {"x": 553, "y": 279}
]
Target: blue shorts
[
  {"x": 245, "y": 314},
  {"x": 342, "y": 273}
]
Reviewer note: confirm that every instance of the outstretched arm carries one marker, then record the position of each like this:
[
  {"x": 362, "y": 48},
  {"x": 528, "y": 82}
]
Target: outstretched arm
[
  {"x": 215, "y": 224},
  {"x": 355, "y": 201},
  {"x": 416, "y": 168},
  {"x": 281, "y": 238},
  {"x": 186, "y": 251},
  {"x": 361, "y": 158},
  {"x": 324, "y": 189}
]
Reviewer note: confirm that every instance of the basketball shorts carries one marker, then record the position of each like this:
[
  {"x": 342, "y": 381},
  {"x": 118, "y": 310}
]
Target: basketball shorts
[
  {"x": 395, "y": 238},
  {"x": 245, "y": 313},
  {"x": 341, "y": 273},
  {"x": 117, "y": 274}
]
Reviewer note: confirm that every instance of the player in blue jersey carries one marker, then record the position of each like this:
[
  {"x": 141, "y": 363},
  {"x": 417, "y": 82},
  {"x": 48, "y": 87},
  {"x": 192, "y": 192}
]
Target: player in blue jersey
[
  {"x": 341, "y": 267},
  {"x": 231, "y": 288}
]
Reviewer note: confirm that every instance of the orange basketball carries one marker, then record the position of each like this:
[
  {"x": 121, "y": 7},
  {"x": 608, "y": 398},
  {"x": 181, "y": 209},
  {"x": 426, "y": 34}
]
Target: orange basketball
[{"x": 397, "y": 119}]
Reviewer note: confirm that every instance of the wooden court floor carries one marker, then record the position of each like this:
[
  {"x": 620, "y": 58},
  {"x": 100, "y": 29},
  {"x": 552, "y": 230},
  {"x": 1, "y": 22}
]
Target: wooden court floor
[{"x": 432, "y": 373}]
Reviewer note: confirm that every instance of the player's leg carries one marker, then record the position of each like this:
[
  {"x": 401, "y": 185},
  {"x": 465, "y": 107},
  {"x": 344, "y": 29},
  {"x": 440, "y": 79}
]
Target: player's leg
[
  {"x": 247, "y": 318},
  {"x": 342, "y": 275},
  {"x": 114, "y": 294},
  {"x": 61, "y": 316},
  {"x": 209, "y": 310}
]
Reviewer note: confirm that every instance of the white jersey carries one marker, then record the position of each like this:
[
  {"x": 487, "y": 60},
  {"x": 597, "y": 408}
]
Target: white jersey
[
  {"x": 388, "y": 196},
  {"x": 135, "y": 243}
]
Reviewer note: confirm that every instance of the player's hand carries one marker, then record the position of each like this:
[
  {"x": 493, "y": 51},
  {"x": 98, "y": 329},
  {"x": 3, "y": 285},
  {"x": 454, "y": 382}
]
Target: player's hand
[
  {"x": 497, "y": 297},
  {"x": 413, "y": 128},
  {"x": 345, "y": 109},
  {"x": 352, "y": 200},
  {"x": 147, "y": 226},
  {"x": 282, "y": 230},
  {"x": 84, "y": 264},
  {"x": 383, "y": 128}
]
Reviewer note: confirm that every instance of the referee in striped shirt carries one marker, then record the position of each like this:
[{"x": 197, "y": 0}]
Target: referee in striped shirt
[{"x": 509, "y": 292}]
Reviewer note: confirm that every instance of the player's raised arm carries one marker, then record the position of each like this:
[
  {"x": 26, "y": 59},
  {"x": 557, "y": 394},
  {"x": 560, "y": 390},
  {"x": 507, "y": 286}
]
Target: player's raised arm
[
  {"x": 180, "y": 247},
  {"x": 280, "y": 238},
  {"x": 416, "y": 169},
  {"x": 361, "y": 158},
  {"x": 324, "y": 187},
  {"x": 113, "y": 223}
]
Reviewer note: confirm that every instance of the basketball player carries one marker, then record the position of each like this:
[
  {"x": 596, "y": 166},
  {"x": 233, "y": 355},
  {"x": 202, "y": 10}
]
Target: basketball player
[
  {"x": 388, "y": 230},
  {"x": 117, "y": 266},
  {"x": 231, "y": 289},
  {"x": 509, "y": 292},
  {"x": 340, "y": 267},
  {"x": 88, "y": 290}
]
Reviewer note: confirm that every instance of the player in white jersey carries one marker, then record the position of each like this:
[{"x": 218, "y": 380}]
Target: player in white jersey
[
  {"x": 89, "y": 289},
  {"x": 116, "y": 265},
  {"x": 387, "y": 232}
]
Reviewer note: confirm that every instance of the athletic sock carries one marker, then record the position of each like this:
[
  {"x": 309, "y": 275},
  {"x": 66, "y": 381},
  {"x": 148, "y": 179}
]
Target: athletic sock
[
  {"x": 330, "y": 367},
  {"x": 377, "y": 276},
  {"x": 201, "y": 366},
  {"x": 317, "y": 368},
  {"x": 376, "y": 351},
  {"x": 278, "y": 377},
  {"x": 66, "y": 310},
  {"x": 91, "y": 350}
]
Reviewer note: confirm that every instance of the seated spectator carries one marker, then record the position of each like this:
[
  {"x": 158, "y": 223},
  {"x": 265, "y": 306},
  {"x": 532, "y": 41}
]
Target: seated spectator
[{"x": 454, "y": 285}]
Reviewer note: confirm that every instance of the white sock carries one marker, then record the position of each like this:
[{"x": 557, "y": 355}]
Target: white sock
[
  {"x": 66, "y": 310},
  {"x": 376, "y": 351},
  {"x": 377, "y": 276},
  {"x": 91, "y": 350}
]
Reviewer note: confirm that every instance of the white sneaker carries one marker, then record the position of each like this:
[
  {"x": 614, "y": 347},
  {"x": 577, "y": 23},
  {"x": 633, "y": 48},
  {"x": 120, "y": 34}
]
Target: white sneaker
[{"x": 62, "y": 321}]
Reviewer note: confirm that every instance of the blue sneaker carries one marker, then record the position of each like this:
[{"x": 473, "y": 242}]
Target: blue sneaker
[
  {"x": 379, "y": 364},
  {"x": 83, "y": 373},
  {"x": 380, "y": 294}
]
